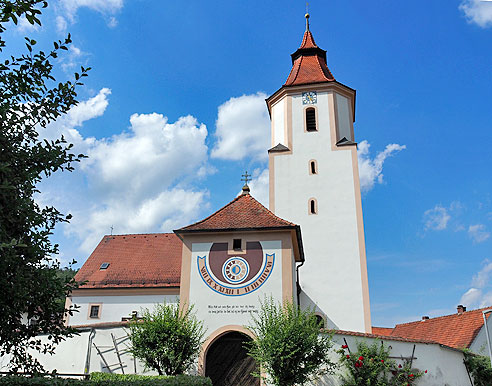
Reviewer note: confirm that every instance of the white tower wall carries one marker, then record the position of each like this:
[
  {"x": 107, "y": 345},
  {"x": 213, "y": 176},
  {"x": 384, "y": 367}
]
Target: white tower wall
[{"x": 334, "y": 276}]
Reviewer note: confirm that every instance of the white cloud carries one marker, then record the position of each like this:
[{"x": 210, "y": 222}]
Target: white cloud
[
  {"x": 478, "y": 12},
  {"x": 478, "y": 233},
  {"x": 436, "y": 218},
  {"x": 163, "y": 212},
  {"x": 61, "y": 24},
  {"x": 84, "y": 111},
  {"x": 112, "y": 23},
  {"x": 259, "y": 186},
  {"x": 137, "y": 180},
  {"x": 471, "y": 297},
  {"x": 73, "y": 59},
  {"x": 67, "y": 11},
  {"x": 371, "y": 170},
  {"x": 476, "y": 295},
  {"x": 243, "y": 129},
  {"x": 24, "y": 26}
]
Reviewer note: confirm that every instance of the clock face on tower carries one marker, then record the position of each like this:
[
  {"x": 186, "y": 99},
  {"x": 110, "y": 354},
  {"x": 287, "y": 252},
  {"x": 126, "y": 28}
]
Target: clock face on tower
[{"x": 309, "y": 98}]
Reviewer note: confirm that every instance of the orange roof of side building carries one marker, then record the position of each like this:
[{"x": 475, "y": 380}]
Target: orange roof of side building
[
  {"x": 143, "y": 260},
  {"x": 456, "y": 330},
  {"x": 382, "y": 330}
]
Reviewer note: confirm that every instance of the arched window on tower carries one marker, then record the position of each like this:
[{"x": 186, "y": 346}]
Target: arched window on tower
[
  {"x": 313, "y": 206},
  {"x": 311, "y": 119},
  {"x": 313, "y": 167}
]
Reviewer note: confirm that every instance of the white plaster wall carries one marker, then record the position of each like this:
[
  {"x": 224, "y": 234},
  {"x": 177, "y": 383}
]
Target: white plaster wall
[
  {"x": 278, "y": 115},
  {"x": 205, "y": 300},
  {"x": 114, "y": 307},
  {"x": 331, "y": 276},
  {"x": 70, "y": 355},
  {"x": 444, "y": 366},
  {"x": 479, "y": 345}
]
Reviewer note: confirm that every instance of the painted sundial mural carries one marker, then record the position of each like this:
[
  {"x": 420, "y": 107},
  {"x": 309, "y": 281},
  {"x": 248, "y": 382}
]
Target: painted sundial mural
[{"x": 235, "y": 274}]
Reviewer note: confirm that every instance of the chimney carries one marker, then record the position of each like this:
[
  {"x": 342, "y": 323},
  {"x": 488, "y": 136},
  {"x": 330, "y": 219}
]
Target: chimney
[
  {"x": 425, "y": 318},
  {"x": 461, "y": 308}
]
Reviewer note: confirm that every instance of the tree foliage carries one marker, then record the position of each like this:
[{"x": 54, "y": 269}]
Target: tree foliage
[
  {"x": 372, "y": 366},
  {"x": 30, "y": 97},
  {"x": 479, "y": 368},
  {"x": 289, "y": 345},
  {"x": 168, "y": 339}
]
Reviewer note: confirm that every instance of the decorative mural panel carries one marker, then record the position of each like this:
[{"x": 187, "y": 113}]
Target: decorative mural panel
[{"x": 233, "y": 274}]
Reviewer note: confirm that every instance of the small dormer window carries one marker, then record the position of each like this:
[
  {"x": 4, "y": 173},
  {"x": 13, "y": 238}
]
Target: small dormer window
[
  {"x": 104, "y": 266},
  {"x": 311, "y": 119}
]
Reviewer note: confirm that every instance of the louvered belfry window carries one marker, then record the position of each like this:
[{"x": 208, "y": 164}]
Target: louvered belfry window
[{"x": 311, "y": 119}]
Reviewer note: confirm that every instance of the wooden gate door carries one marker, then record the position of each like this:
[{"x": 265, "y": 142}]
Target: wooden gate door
[{"x": 228, "y": 364}]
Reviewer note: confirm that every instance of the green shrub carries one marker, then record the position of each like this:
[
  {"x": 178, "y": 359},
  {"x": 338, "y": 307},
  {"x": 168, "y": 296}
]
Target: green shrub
[
  {"x": 41, "y": 381},
  {"x": 372, "y": 366},
  {"x": 167, "y": 340},
  {"x": 288, "y": 344},
  {"x": 479, "y": 368},
  {"x": 105, "y": 379},
  {"x": 141, "y": 380}
]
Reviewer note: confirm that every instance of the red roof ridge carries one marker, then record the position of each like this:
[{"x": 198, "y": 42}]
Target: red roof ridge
[
  {"x": 445, "y": 316},
  {"x": 140, "y": 234},
  {"x": 252, "y": 200}
]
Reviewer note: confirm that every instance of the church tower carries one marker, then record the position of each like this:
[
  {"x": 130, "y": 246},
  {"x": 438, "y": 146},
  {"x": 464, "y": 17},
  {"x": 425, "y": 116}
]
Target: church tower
[{"x": 314, "y": 182}]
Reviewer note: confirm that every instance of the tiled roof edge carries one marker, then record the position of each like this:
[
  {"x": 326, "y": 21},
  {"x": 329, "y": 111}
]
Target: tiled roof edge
[{"x": 443, "y": 316}]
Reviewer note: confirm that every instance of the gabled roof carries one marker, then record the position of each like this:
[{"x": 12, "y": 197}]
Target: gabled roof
[
  {"x": 309, "y": 64},
  {"x": 457, "y": 330},
  {"x": 243, "y": 213},
  {"x": 144, "y": 260}
]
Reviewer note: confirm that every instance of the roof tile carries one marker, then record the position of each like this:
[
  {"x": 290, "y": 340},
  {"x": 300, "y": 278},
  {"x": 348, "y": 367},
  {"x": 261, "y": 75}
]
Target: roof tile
[
  {"x": 144, "y": 260},
  {"x": 244, "y": 213},
  {"x": 309, "y": 64},
  {"x": 455, "y": 330}
]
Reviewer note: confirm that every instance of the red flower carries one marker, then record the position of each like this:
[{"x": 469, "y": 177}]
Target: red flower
[
  {"x": 344, "y": 346},
  {"x": 361, "y": 358},
  {"x": 411, "y": 375},
  {"x": 348, "y": 356},
  {"x": 382, "y": 360},
  {"x": 399, "y": 366},
  {"x": 425, "y": 371}
]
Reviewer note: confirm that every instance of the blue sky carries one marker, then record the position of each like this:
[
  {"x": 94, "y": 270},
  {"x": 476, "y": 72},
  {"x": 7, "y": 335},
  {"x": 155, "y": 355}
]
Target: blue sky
[{"x": 173, "y": 113}]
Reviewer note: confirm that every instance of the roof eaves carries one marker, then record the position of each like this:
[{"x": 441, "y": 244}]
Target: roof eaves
[{"x": 252, "y": 229}]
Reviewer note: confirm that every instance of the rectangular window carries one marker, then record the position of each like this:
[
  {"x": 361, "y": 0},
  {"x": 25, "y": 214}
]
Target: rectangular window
[
  {"x": 94, "y": 314},
  {"x": 236, "y": 244}
]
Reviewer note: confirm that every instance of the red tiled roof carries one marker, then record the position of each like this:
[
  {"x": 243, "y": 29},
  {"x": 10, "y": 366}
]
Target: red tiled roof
[
  {"x": 145, "y": 260},
  {"x": 244, "y": 213},
  {"x": 382, "y": 330},
  {"x": 309, "y": 64},
  {"x": 456, "y": 330}
]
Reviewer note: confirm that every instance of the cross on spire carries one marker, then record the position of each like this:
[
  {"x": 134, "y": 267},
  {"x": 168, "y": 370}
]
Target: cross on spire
[
  {"x": 246, "y": 179},
  {"x": 307, "y": 16}
]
